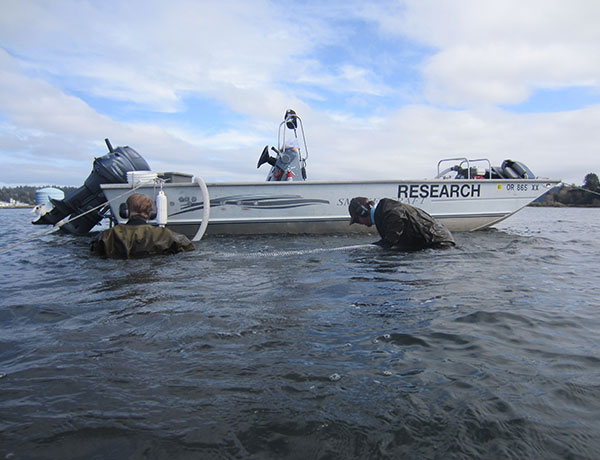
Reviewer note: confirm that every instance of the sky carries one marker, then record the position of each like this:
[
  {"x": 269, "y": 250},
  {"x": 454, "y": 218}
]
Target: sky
[{"x": 385, "y": 89}]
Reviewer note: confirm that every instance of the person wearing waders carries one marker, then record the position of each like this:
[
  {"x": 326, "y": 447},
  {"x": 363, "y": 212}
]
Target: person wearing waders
[
  {"x": 137, "y": 238},
  {"x": 400, "y": 225}
]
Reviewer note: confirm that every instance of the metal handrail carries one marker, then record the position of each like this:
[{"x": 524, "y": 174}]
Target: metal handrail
[
  {"x": 462, "y": 161},
  {"x": 281, "y": 146}
]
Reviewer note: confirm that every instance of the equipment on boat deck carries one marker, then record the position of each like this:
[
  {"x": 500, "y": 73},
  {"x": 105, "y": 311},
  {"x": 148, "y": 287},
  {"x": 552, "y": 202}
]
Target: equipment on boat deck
[
  {"x": 111, "y": 168},
  {"x": 288, "y": 162},
  {"x": 466, "y": 170}
]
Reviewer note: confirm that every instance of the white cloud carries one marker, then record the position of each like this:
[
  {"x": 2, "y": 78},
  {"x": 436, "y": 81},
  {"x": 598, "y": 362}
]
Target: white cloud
[
  {"x": 257, "y": 59},
  {"x": 487, "y": 52}
]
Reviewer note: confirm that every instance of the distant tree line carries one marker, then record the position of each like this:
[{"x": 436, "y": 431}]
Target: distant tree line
[
  {"x": 587, "y": 194},
  {"x": 26, "y": 193}
]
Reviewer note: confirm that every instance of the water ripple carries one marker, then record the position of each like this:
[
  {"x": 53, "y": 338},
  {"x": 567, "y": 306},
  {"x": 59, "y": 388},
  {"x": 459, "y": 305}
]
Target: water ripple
[{"x": 285, "y": 347}]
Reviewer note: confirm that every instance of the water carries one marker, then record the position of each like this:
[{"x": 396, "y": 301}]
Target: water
[{"x": 276, "y": 347}]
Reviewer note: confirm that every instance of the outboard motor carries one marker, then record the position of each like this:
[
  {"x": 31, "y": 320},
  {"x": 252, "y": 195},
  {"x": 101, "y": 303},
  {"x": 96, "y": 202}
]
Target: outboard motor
[
  {"x": 288, "y": 163},
  {"x": 111, "y": 168},
  {"x": 516, "y": 170}
]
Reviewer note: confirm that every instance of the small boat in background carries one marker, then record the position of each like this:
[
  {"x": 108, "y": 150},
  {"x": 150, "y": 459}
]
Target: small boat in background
[{"x": 42, "y": 199}]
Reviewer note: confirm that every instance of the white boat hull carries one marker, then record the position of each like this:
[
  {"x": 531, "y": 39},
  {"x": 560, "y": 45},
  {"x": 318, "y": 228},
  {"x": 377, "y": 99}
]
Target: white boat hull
[{"x": 315, "y": 207}]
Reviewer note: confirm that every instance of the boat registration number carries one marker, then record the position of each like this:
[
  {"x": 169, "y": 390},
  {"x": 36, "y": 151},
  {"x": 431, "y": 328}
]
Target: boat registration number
[{"x": 522, "y": 187}]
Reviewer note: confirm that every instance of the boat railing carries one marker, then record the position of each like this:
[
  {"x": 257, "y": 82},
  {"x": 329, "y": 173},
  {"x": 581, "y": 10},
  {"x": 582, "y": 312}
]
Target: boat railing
[
  {"x": 459, "y": 167},
  {"x": 291, "y": 121}
]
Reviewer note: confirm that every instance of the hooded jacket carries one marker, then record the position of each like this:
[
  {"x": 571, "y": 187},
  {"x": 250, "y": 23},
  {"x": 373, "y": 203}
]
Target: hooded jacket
[{"x": 407, "y": 227}]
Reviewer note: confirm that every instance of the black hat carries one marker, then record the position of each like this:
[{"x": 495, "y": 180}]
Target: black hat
[{"x": 358, "y": 207}]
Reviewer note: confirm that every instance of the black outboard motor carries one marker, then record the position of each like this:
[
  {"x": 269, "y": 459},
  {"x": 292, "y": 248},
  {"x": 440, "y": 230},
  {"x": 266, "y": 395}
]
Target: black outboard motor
[
  {"x": 516, "y": 170},
  {"x": 111, "y": 168}
]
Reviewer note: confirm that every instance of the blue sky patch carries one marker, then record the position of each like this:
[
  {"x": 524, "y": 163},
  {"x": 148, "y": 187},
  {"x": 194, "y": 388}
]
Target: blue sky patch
[{"x": 557, "y": 100}]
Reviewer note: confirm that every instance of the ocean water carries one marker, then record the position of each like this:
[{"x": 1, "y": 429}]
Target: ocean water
[{"x": 305, "y": 347}]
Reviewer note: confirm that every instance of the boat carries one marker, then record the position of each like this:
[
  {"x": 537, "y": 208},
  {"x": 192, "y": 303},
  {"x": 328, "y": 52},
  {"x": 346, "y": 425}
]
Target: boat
[{"x": 465, "y": 194}]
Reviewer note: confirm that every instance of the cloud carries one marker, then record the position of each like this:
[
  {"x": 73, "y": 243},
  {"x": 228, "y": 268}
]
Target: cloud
[
  {"x": 49, "y": 127},
  {"x": 498, "y": 52},
  {"x": 385, "y": 89}
]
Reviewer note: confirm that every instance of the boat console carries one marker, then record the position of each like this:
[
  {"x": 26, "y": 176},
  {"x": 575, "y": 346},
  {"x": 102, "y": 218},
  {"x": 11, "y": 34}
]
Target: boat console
[{"x": 289, "y": 162}]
